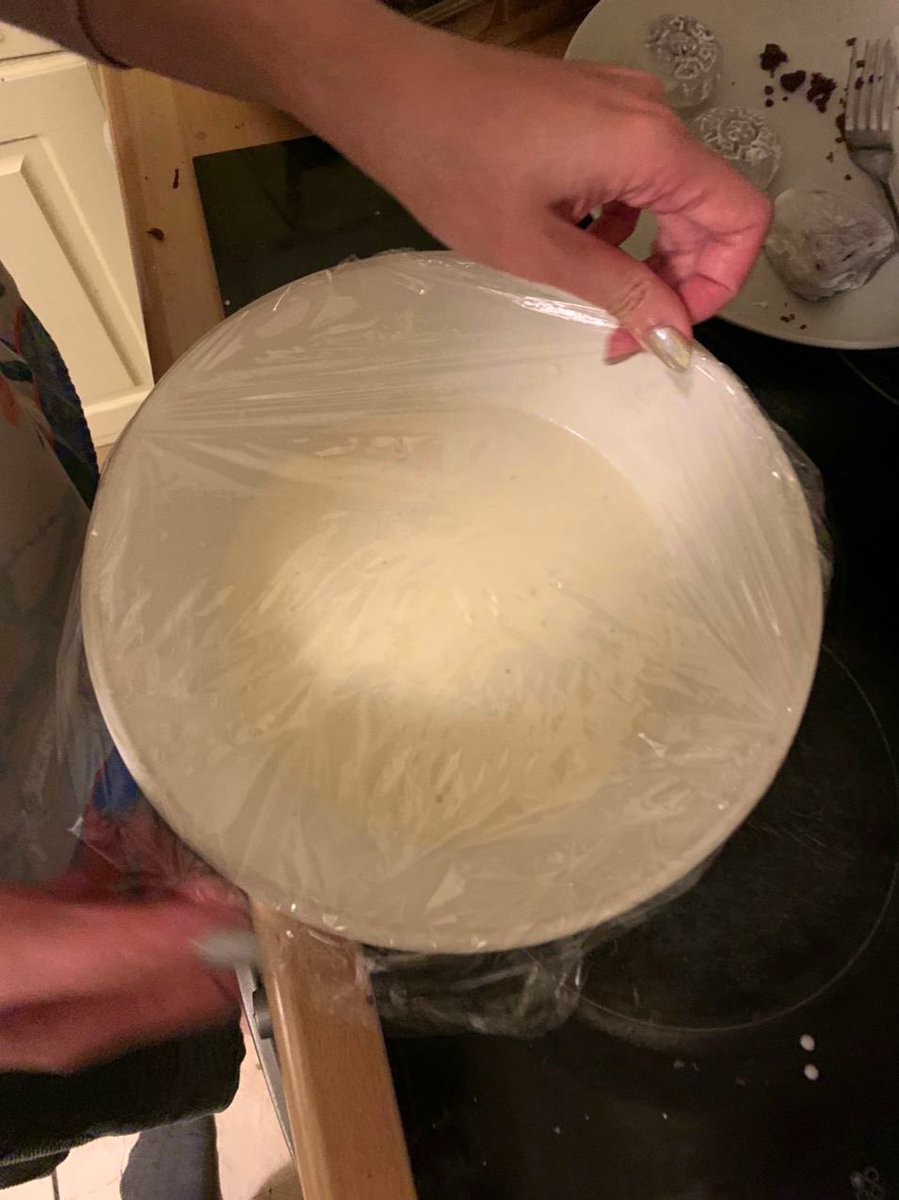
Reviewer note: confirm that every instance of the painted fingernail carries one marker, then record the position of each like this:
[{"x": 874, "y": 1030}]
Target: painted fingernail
[
  {"x": 669, "y": 346},
  {"x": 225, "y": 948}
]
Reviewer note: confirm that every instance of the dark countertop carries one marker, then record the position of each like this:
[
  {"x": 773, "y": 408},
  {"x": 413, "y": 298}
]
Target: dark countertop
[{"x": 681, "y": 1075}]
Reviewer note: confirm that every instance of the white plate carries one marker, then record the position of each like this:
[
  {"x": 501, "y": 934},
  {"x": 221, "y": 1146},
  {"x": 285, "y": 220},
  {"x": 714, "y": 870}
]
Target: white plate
[{"x": 814, "y": 34}]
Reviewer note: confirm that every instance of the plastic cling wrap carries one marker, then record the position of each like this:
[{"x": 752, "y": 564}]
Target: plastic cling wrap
[{"x": 417, "y": 620}]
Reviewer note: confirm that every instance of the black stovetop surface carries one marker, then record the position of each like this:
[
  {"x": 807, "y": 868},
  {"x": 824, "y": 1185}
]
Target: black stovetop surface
[{"x": 682, "y": 1075}]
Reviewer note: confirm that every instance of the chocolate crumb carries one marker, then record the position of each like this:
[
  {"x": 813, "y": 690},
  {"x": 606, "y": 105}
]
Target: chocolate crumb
[
  {"x": 176, "y": 178},
  {"x": 793, "y": 81},
  {"x": 859, "y": 84},
  {"x": 830, "y": 156},
  {"x": 769, "y": 103},
  {"x": 840, "y": 122},
  {"x": 847, "y": 177},
  {"x": 156, "y": 233},
  {"x": 820, "y": 90},
  {"x": 772, "y": 57},
  {"x": 769, "y": 90},
  {"x": 803, "y": 326},
  {"x": 850, "y": 42}
]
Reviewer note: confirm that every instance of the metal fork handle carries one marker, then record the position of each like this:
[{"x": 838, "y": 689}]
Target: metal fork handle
[{"x": 891, "y": 200}]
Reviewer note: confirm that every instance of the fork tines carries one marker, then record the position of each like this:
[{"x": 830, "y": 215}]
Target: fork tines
[{"x": 872, "y": 88}]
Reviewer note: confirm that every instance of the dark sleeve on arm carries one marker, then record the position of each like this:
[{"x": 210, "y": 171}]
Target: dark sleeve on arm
[{"x": 62, "y": 21}]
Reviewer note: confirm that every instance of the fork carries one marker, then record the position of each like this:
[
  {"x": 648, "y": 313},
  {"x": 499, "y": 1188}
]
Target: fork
[{"x": 870, "y": 100}]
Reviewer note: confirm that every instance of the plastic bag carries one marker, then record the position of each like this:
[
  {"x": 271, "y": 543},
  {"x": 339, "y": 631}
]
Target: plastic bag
[{"x": 205, "y": 560}]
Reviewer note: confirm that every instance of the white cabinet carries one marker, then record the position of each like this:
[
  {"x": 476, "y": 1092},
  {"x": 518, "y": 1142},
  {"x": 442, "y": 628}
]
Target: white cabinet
[{"x": 62, "y": 231}]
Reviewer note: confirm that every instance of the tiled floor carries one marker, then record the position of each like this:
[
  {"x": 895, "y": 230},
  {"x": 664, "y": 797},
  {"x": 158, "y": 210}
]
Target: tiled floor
[{"x": 254, "y": 1163}]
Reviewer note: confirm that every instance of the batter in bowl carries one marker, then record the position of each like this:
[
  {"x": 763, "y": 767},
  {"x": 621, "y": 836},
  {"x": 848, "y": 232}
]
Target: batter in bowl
[{"x": 447, "y": 622}]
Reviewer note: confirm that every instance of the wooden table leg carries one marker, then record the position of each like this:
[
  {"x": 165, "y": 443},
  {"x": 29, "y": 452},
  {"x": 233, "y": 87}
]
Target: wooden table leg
[{"x": 346, "y": 1129}]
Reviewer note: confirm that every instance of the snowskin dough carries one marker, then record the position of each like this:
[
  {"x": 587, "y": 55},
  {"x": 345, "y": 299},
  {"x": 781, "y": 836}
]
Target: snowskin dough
[
  {"x": 446, "y": 624},
  {"x": 822, "y": 242}
]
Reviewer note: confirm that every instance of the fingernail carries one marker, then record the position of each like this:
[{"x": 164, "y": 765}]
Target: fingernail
[
  {"x": 614, "y": 359},
  {"x": 669, "y": 346},
  {"x": 228, "y": 948}
]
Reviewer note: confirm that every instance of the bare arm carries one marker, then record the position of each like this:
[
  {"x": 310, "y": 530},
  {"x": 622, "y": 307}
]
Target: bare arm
[{"x": 498, "y": 153}]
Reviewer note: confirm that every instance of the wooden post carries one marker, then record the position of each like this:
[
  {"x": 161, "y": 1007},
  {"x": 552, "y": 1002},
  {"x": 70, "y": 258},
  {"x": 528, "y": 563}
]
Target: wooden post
[{"x": 346, "y": 1129}]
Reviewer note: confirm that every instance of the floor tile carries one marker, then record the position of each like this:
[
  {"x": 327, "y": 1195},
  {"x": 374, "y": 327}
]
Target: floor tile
[
  {"x": 92, "y": 1172},
  {"x": 254, "y": 1162}
]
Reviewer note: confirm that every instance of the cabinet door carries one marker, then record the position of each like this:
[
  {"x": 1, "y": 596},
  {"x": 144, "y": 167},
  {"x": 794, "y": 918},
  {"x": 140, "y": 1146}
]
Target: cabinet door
[{"x": 62, "y": 232}]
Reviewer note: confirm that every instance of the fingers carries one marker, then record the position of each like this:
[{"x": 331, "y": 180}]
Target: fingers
[
  {"x": 62, "y": 1036},
  {"x": 711, "y": 227},
  {"x": 568, "y": 258},
  {"x": 616, "y": 224},
  {"x": 51, "y": 949}
]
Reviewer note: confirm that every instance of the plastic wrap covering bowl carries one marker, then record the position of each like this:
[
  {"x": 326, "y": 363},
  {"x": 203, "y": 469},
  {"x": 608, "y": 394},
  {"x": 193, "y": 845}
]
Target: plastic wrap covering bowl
[{"x": 419, "y": 621}]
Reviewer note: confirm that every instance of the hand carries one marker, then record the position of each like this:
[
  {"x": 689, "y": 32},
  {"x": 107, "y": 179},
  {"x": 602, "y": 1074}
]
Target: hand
[
  {"x": 500, "y": 153},
  {"x": 85, "y": 975}
]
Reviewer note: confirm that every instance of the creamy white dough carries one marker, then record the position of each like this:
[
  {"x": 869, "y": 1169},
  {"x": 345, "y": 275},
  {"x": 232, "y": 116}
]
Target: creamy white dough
[{"x": 446, "y": 623}]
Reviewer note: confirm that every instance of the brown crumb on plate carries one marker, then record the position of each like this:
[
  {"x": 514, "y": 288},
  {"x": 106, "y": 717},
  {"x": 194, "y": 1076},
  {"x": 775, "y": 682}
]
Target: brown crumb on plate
[
  {"x": 820, "y": 90},
  {"x": 792, "y": 81},
  {"x": 772, "y": 57}
]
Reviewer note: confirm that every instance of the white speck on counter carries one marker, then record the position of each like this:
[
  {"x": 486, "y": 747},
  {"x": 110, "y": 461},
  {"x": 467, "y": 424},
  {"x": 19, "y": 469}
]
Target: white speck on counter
[
  {"x": 679, "y": 1064},
  {"x": 556, "y": 1129},
  {"x": 807, "y": 1042},
  {"x": 586, "y": 1116},
  {"x": 811, "y": 1072},
  {"x": 664, "y": 1116}
]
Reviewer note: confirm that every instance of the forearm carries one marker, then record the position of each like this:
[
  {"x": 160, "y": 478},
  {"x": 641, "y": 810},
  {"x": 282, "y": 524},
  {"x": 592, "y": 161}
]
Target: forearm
[{"x": 307, "y": 56}]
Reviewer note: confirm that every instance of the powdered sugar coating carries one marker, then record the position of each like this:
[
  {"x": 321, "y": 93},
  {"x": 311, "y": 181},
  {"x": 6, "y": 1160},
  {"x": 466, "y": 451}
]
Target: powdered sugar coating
[
  {"x": 826, "y": 242},
  {"x": 686, "y": 56},
  {"x": 744, "y": 138}
]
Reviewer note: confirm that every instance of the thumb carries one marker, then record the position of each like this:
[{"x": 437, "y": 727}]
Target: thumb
[{"x": 645, "y": 307}]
